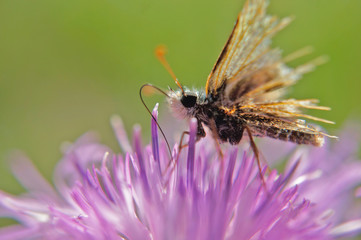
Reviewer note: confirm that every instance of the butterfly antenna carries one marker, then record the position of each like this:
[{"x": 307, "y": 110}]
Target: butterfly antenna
[
  {"x": 160, "y": 53},
  {"x": 145, "y": 105}
]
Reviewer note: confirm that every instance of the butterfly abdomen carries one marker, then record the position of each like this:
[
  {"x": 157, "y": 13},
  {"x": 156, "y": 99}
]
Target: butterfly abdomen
[
  {"x": 285, "y": 130},
  {"x": 294, "y": 136}
]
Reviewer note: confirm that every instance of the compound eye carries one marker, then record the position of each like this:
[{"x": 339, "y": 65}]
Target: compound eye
[{"x": 189, "y": 100}]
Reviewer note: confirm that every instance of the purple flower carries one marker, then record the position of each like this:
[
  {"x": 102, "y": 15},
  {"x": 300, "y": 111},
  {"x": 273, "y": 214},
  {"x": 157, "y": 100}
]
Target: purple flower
[{"x": 99, "y": 194}]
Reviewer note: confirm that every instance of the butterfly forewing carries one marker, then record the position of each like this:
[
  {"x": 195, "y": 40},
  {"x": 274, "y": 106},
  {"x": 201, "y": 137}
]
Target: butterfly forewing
[{"x": 247, "y": 51}]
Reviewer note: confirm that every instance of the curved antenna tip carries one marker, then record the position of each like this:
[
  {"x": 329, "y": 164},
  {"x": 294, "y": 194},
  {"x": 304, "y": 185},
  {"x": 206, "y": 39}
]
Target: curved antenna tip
[{"x": 156, "y": 107}]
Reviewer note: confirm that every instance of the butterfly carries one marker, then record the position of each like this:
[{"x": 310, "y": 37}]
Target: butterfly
[{"x": 244, "y": 90}]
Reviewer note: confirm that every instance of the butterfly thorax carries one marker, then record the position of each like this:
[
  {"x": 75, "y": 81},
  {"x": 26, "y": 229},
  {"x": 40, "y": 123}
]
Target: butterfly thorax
[{"x": 209, "y": 111}]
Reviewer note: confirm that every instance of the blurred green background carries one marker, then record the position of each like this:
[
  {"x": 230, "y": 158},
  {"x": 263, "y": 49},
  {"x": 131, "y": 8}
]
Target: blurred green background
[{"x": 67, "y": 66}]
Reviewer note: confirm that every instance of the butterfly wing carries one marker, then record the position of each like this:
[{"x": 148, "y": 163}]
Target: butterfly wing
[
  {"x": 247, "y": 61},
  {"x": 249, "y": 77},
  {"x": 283, "y": 129}
]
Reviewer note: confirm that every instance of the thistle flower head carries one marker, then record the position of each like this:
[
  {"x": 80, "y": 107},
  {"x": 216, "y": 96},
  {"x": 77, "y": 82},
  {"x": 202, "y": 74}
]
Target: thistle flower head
[{"x": 99, "y": 194}]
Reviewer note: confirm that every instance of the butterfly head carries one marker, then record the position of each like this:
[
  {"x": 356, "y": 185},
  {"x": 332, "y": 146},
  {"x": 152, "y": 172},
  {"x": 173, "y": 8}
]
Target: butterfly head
[
  {"x": 189, "y": 100},
  {"x": 183, "y": 104}
]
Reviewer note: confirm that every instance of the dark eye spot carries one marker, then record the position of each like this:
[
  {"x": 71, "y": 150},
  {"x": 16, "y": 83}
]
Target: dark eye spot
[{"x": 189, "y": 100}]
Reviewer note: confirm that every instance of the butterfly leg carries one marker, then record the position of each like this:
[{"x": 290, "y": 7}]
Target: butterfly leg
[
  {"x": 256, "y": 153},
  {"x": 200, "y": 134},
  {"x": 216, "y": 137},
  {"x": 180, "y": 147}
]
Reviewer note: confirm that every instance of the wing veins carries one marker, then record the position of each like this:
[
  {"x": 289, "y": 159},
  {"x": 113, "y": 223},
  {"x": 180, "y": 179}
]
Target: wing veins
[
  {"x": 296, "y": 103},
  {"x": 239, "y": 39},
  {"x": 269, "y": 110},
  {"x": 294, "y": 124}
]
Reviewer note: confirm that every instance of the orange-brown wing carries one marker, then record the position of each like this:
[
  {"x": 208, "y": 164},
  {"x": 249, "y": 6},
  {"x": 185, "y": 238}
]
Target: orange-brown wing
[
  {"x": 279, "y": 119},
  {"x": 284, "y": 129},
  {"x": 247, "y": 51},
  {"x": 284, "y": 109}
]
